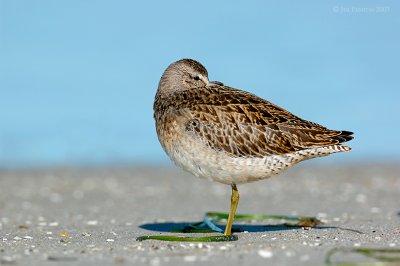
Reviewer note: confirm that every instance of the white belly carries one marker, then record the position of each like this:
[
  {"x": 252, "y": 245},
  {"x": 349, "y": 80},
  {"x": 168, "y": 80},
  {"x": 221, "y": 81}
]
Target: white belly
[
  {"x": 194, "y": 156},
  {"x": 219, "y": 166}
]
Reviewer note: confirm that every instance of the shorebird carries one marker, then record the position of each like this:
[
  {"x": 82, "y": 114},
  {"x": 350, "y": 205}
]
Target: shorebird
[{"x": 232, "y": 136}]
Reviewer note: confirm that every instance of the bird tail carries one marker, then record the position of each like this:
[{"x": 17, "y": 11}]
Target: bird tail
[{"x": 344, "y": 136}]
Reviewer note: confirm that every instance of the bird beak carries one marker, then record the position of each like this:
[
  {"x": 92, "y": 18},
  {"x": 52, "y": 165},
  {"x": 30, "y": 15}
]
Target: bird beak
[{"x": 213, "y": 84}]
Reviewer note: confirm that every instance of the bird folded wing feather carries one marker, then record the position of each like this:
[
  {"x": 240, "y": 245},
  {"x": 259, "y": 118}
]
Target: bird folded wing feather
[{"x": 246, "y": 125}]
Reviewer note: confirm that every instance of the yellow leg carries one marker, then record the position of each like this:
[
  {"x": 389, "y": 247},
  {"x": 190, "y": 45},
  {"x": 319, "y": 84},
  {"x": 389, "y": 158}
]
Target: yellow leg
[{"x": 234, "y": 204}]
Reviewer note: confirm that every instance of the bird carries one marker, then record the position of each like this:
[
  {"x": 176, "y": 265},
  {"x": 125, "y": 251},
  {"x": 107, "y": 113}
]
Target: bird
[{"x": 232, "y": 136}]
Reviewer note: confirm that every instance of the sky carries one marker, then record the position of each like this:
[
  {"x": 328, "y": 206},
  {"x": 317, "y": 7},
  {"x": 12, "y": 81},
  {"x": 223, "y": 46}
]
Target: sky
[{"x": 78, "y": 77}]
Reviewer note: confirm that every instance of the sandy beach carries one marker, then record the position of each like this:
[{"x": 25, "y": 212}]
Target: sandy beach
[{"x": 93, "y": 216}]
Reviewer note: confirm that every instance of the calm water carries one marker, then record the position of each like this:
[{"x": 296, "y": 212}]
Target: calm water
[{"x": 77, "y": 79}]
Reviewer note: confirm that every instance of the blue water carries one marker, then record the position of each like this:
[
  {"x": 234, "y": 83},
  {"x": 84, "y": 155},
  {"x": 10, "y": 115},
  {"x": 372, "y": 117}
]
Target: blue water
[{"x": 77, "y": 78}]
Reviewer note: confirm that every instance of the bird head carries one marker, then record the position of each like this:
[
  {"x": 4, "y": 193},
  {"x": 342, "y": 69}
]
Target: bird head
[{"x": 185, "y": 74}]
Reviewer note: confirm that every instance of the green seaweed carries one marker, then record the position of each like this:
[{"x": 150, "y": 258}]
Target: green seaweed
[
  {"x": 304, "y": 221},
  {"x": 382, "y": 255},
  {"x": 219, "y": 238},
  {"x": 210, "y": 218}
]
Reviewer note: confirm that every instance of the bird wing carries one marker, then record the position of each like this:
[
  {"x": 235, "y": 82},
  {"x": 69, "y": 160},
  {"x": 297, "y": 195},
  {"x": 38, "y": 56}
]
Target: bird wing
[{"x": 243, "y": 124}]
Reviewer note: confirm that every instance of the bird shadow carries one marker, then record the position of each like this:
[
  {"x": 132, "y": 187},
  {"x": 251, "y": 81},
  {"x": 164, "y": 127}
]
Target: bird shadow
[{"x": 183, "y": 226}]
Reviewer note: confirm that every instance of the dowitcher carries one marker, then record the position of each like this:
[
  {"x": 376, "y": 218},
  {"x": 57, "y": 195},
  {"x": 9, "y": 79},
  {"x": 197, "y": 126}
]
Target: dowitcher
[{"x": 232, "y": 136}]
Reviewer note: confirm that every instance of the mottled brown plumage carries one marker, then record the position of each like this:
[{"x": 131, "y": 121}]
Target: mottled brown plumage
[
  {"x": 232, "y": 136},
  {"x": 243, "y": 124}
]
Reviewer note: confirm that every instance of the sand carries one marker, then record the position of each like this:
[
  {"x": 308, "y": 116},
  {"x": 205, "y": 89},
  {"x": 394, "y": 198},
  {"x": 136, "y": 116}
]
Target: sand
[{"x": 93, "y": 216}]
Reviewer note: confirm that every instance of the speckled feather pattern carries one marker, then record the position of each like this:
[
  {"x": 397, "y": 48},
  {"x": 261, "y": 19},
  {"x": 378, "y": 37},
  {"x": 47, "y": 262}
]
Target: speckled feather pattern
[{"x": 229, "y": 135}]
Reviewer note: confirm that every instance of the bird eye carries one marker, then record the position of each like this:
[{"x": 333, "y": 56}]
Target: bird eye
[{"x": 196, "y": 78}]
